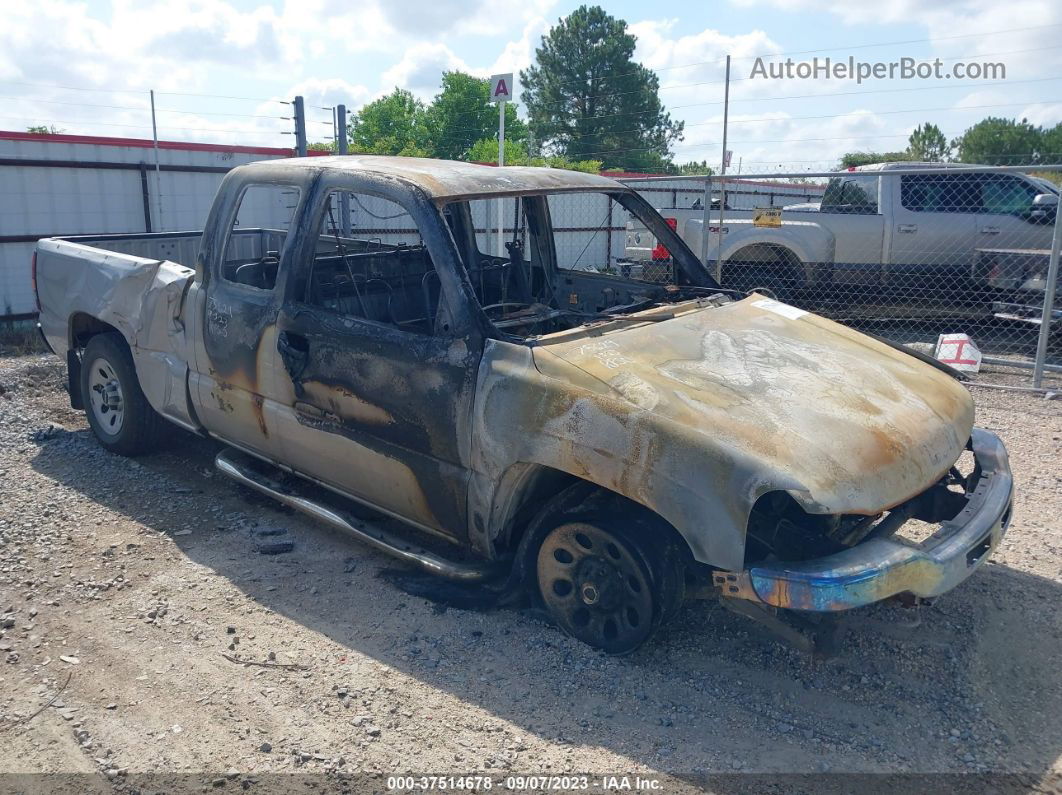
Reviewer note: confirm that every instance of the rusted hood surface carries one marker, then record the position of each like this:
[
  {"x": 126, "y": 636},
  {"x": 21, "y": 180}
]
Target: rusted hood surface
[{"x": 854, "y": 425}]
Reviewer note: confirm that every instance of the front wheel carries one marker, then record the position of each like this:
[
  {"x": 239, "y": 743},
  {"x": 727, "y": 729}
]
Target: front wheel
[
  {"x": 118, "y": 413},
  {"x": 608, "y": 586}
]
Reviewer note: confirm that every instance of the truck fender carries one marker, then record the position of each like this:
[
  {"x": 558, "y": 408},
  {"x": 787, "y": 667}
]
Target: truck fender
[{"x": 808, "y": 242}]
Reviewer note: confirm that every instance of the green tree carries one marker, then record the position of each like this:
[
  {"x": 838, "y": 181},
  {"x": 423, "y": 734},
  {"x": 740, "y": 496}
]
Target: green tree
[
  {"x": 855, "y": 159},
  {"x": 1000, "y": 142},
  {"x": 390, "y": 125},
  {"x": 587, "y": 98},
  {"x": 321, "y": 146},
  {"x": 694, "y": 167},
  {"x": 462, "y": 114},
  {"x": 1051, "y": 145},
  {"x": 928, "y": 143},
  {"x": 44, "y": 129},
  {"x": 486, "y": 151}
]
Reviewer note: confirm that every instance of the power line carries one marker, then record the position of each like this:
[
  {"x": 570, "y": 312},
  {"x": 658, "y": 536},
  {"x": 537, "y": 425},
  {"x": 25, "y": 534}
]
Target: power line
[
  {"x": 476, "y": 129},
  {"x": 828, "y": 49},
  {"x": 894, "y": 112},
  {"x": 663, "y": 150},
  {"x": 37, "y": 120},
  {"x": 875, "y": 91},
  {"x": 800, "y": 118},
  {"x": 221, "y": 96},
  {"x": 142, "y": 108},
  {"x": 805, "y": 96},
  {"x": 701, "y": 83},
  {"x": 138, "y": 91},
  {"x": 938, "y": 86}
]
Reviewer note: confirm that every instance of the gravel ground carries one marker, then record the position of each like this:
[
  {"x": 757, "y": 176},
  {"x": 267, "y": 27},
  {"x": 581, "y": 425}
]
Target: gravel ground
[{"x": 124, "y": 584}]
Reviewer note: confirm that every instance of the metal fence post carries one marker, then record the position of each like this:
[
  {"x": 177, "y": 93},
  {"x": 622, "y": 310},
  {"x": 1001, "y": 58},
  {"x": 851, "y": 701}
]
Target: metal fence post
[
  {"x": 719, "y": 237},
  {"x": 1049, "y": 300},
  {"x": 341, "y": 147},
  {"x": 300, "y": 127},
  {"x": 706, "y": 216}
]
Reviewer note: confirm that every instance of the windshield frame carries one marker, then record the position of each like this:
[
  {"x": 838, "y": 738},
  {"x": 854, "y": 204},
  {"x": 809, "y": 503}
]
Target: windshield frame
[
  {"x": 695, "y": 274},
  {"x": 686, "y": 262}
]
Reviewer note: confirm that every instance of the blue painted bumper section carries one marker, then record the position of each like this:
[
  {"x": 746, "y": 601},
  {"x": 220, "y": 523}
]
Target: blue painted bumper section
[{"x": 880, "y": 568}]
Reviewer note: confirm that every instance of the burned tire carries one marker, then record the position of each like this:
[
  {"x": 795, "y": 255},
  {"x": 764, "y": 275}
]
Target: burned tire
[
  {"x": 610, "y": 580},
  {"x": 118, "y": 413}
]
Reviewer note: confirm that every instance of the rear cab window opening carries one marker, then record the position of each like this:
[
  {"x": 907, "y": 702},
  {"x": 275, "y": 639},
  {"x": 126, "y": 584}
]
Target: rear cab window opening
[
  {"x": 258, "y": 233},
  {"x": 370, "y": 262}
]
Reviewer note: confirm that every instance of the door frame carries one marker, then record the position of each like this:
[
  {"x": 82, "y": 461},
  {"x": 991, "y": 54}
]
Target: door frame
[
  {"x": 457, "y": 345},
  {"x": 239, "y": 378}
]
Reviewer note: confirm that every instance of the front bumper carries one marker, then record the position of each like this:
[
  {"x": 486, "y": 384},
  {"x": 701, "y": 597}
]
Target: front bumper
[{"x": 879, "y": 568}]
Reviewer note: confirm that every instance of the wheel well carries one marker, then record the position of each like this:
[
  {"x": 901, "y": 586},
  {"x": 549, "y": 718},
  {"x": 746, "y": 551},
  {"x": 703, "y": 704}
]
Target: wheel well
[
  {"x": 531, "y": 487},
  {"x": 767, "y": 254},
  {"x": 83, "y": 327},
  {"x": 540, "y": 490}
]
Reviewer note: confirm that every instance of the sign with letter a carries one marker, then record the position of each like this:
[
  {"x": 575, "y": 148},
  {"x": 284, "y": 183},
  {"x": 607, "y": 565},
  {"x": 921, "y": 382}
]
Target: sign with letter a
[{"x": 502, "y": 88}]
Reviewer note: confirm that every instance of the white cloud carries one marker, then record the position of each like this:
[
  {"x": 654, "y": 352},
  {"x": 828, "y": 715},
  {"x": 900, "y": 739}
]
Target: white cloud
[
  {"x": 955, "y": 28},
  {"x": 352, "y": 51},
  {"x": 421, "y": 68},
  {"x": 520, "y": 53},
  {"x": 434, "y": 17},
  {"x": 331, "y": 91},
  {"x": 692, "y": 66},
  {"x": 1047, "y": 115}
]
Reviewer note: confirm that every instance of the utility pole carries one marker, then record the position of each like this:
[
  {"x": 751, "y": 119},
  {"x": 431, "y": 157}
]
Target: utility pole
[
  {"x": 502, "y": 90},
  {"x": 158, "y": 174},
  {"x": 501, "y": 162},
  {"x": 300, "y": 127},
  {"x": 341, "y": 147}
]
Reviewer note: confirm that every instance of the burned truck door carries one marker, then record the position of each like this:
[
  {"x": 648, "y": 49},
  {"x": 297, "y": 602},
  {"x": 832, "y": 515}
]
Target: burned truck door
[
  {"x": 235, "y": 383},
  {"x": 380, "y": 376}
]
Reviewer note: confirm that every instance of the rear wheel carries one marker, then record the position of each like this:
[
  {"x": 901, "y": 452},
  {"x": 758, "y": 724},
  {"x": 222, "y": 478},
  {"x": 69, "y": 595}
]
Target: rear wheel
[
  {"x": 118, "y": 413},
  {"x": 608, "y": 583},
  {"x": 769, "y": 281}
]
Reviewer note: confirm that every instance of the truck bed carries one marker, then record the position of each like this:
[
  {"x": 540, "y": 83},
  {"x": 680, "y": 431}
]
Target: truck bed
[
  {"x": 134, "y": 284},
  {"x": 115, "y": 279},
  {"x": 179, "y": 247}
]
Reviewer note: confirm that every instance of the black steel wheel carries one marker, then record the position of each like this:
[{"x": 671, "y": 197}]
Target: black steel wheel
[{"x": 598, "y": 586}]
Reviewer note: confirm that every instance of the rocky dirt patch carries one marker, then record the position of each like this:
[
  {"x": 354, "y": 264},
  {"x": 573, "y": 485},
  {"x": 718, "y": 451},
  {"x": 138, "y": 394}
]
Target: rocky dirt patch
[{"x": 134, "y": 605}]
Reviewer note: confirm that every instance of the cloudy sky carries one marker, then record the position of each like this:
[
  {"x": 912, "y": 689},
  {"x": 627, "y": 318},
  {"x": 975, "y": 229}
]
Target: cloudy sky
[{"x": 223, "y": 68}]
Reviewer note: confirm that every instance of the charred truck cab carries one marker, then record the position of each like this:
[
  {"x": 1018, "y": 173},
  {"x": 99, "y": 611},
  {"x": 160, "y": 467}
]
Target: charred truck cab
[{"x": 539, "y": 414}]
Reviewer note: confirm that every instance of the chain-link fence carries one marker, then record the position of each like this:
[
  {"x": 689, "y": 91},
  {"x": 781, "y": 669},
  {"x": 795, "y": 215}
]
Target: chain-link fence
[{"x": 905, "y": 251}]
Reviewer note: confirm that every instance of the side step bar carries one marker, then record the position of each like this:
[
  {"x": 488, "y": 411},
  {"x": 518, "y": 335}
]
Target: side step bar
[{"x": 228, "y": 463}]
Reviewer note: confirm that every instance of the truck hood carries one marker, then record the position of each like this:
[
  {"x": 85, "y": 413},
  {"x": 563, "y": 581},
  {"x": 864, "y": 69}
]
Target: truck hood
[{"x": 850, "y": 423}]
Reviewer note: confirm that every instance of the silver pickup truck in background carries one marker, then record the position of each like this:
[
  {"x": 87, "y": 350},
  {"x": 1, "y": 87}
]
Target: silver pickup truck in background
[
  {"x": 872, "y": 230},
  {"x": 599, "y": 444}
]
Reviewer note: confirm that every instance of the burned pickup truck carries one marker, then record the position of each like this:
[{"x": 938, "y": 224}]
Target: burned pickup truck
[{"x": 359, "y": 330}]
